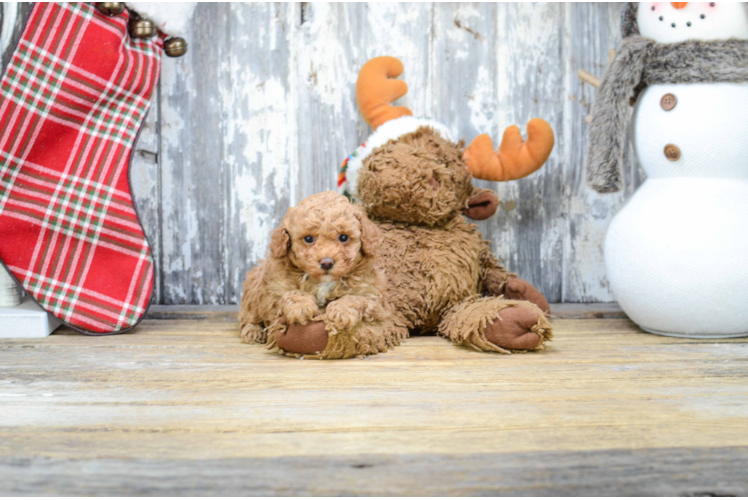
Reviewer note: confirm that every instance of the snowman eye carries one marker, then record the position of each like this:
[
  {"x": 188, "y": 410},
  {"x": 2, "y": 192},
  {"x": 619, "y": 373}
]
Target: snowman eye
[
  {"x": 703, "y": 16},
  {"x": 688, "y": 23},
  {"x": 653, "y": 7},
  {"x": 661, "y": 18},
  {"x": 673, "y": 25}
]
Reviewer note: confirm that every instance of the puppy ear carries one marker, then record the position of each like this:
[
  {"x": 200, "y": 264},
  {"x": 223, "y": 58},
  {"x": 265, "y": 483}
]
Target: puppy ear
[
  {"x": 481, "y": 205},
  {"x": 280, "y": 242},
  {"x": 371, "y": 236}
]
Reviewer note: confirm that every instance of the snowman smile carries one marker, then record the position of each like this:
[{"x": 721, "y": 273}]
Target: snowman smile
[
  {"x": 671, "y": 22},
  {"x": 678, "y": 6}
]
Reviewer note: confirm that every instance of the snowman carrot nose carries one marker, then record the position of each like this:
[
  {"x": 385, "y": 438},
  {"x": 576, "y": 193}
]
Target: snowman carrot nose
[{"x": 678, "y": 5}]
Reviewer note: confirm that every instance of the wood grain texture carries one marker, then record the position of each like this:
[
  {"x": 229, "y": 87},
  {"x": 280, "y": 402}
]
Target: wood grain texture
[
  {"x": 262, "y": 110},
  {"x": 686, "y": 472},
  {"x": 603, "y": 310},
  {"x": 227, "y": 148},
  {"x": 327, "y": 46},
  {"x": 145, "y": 184},
  {"x": 592, "y": 29},
  {"x": 182, "y": 406},
  {"x": 529, "y": 230}
]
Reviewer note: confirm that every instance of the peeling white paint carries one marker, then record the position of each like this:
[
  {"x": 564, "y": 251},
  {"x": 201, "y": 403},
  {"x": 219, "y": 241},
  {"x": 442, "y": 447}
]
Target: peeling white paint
[
  {"x": 279, "y": 98},
  {"x": 481, "y": 118}
]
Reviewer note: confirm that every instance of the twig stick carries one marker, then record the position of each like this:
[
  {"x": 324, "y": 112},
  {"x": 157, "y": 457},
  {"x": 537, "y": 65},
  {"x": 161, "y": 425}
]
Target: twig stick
[{"x": 588, "y": 78}]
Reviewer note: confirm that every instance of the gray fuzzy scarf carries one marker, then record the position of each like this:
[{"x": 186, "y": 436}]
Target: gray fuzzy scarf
[{"x": 641, "y": 62}]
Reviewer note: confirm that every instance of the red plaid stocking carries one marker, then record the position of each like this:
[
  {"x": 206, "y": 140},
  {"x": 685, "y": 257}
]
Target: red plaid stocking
[{"x": 72, "y": 100}]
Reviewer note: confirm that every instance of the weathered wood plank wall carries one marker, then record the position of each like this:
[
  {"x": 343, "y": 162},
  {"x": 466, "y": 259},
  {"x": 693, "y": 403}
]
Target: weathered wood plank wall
[{"x": 262, "y": 110}]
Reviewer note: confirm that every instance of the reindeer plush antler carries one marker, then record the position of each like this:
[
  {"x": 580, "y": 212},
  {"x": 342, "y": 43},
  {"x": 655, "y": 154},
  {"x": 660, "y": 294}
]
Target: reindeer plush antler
[
  {"x": 377, "y": 89},
  {"x": 515, "y": 158}
]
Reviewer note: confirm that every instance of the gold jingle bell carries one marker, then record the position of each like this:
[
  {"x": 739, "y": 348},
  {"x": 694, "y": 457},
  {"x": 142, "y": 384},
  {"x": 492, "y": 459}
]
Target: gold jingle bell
[
  {"x": 142, "y": 28},
  {"x": 111, "y": 8},
  {"x": 175, "y": 47}
]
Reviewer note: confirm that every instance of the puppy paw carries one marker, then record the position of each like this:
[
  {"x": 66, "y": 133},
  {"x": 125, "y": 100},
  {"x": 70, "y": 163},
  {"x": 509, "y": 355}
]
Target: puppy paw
[
  {"x": 342, "y": 316},
  {"x": 253, "y": 334},
  {"x": 298, "y": 308}
]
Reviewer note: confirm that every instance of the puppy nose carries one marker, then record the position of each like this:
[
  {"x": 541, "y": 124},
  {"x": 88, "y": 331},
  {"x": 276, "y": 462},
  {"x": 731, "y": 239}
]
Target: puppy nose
[{"x": 326, "y": 263}]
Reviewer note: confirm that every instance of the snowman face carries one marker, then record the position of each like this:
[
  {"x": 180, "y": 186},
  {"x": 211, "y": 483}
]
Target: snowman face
[{"x": 669, "y": 22}]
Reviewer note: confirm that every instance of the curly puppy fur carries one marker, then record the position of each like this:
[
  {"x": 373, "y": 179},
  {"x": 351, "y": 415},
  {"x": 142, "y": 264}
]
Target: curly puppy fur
[
  {"x": 293, "y": 287},
  {"x": 438, "y": 266}
]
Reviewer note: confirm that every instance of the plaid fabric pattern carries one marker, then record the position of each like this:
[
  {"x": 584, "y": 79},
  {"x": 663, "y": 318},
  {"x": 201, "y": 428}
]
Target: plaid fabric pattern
[{"x": 72, "y": 100}]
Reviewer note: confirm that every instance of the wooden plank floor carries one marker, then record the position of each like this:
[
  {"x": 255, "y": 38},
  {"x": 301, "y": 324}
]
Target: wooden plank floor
[{"x": 182, "y": 407}]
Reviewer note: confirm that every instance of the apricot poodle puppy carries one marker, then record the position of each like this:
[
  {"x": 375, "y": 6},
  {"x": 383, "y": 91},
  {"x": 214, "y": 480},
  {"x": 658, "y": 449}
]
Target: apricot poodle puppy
[{"x": 320, "y": 271}]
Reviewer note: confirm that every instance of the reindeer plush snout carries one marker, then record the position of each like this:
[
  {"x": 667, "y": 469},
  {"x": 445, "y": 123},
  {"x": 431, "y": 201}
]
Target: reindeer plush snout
[{"x": 481, "y": 205}]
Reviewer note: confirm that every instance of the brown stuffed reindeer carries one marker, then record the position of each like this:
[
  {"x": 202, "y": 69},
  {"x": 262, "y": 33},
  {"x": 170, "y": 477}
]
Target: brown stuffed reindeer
[{"x": 414, "y": 182}]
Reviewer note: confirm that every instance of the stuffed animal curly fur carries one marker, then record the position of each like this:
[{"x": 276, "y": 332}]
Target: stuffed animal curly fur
[
  {"x": 441, "y": 275},
  {"x": 320, "y": 274},
  {"x": 415, "y": 184}
]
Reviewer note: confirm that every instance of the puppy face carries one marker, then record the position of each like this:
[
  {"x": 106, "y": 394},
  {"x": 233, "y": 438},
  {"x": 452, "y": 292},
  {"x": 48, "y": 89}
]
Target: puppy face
[{"x": 325, "y": 236}]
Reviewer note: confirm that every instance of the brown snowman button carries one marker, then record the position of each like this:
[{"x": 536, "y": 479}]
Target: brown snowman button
[
  {"x": 668, "y": 102},
  {"x": 672, "y": 152}
]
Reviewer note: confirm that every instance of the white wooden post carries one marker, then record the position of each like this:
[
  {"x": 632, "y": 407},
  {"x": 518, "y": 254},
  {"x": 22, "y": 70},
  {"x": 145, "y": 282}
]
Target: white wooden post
[
  {"x": 21, "y": 317},
  {"x": 10, "y": 292}
]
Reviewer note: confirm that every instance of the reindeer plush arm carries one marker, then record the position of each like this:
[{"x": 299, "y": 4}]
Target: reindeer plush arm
[
  {"x": 498, "y": 281},
  {"x": 494, "y": 275}
]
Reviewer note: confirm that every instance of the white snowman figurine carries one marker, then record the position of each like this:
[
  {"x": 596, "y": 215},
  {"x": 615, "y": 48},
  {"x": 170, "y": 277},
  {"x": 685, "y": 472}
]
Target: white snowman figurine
[{"x": 677, "y": 252}]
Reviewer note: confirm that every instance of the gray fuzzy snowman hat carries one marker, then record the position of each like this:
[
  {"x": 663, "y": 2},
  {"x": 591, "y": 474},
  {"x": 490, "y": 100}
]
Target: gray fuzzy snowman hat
[
  {"x": 629, "y": 26},
  {"x": 641, "y": 62}
]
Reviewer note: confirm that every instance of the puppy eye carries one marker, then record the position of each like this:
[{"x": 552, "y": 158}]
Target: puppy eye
[
  {"x": 343, "y": 238},
  {"x": 309, "y": 239}
]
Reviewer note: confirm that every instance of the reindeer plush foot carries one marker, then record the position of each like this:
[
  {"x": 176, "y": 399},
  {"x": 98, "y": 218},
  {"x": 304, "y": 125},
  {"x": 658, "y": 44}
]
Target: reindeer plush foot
[
  {"x": 497, "y": 325},
  {"x": 314, "y": 340},
  {"x": 516, "y": 328},
  {"x": 311, "y": 338}
]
